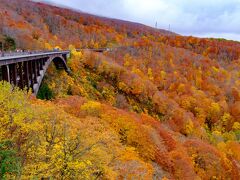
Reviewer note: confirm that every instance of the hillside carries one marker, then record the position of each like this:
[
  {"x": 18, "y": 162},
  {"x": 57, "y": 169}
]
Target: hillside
[
  {"x": 157, "y": 106},
  {"x": 32, "y": 25}
]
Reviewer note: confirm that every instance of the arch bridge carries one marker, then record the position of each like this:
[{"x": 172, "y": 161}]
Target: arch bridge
[{"x": 28, "y": 70}]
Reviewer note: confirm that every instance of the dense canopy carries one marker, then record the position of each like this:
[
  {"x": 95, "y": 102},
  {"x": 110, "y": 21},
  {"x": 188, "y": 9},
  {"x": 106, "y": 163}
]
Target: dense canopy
[{"x": 157, "y": 105}]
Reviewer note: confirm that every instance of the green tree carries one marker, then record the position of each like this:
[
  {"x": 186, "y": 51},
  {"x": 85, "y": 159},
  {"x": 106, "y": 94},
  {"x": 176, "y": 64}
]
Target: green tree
[
  {"x": 10, "y": 163},
  {"x": 7, "y": 43},
  {"x": 45, "y": 92}
]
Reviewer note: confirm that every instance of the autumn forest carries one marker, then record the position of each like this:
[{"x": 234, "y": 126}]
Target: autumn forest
[{"x": 157, "y": 105}]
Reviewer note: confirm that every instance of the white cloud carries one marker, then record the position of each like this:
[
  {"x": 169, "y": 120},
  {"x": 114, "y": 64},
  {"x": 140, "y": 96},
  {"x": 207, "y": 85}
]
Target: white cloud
[
  {"x": 191, "y": 17},
  {"x": 143, "y": 8}
]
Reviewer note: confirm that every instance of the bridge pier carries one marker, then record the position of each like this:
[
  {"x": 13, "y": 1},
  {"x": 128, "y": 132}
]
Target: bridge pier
[
  {"x": 20, "y": 75},
  {"x": 34, "y": 72},
  {"x": 26, "y": 74},
  {"x": 38, "y": 67},
  {"x": 42, "y": 63},
  {"x": 64, "y": 57},
  {"x": 5, "y": 73},
  {"x": 30, "y": 69},
  {"x": 13, "y": 74}
]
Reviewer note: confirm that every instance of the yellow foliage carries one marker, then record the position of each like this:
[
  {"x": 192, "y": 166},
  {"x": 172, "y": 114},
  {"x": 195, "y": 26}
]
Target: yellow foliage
[
  {"x": 109, "y": 95},
  {"x": 163, "y": 74},
  {"x": 189, "y": 127},
  {"x": 199, "y": 80},
  {"x": 48, "y": 46},
  {"x": 137, "y": 71},
  {"x": 233, "y": 149},
  {"x": 91, "y": 108},
  {"x": 165, "y": 178},
  {"x": 130, "y": 133},
  {"x": 58, "y": 47},
  {"x": 55, "y": 37},
  {"x": 214, "y": 110},
  {"x": 150, "y": 74},
  {"x": 126, "y": 63},
  {"x": 171, "y": 62},
  {"x": 222, "y": 147},
  {"x": 217, "y": 133},
  {"x": 229, "y": 136},
  {"x": 59, "y": 86},
  {"x": 226, "y": 117},
  {"x": 71, "y": 47},
  {"x": 216, "y": 70},
  {"x": 172, "y": 87},
  {"x": 140, "y": 169},
  {"x": 188, "y": 103},
  {"x": 181, "y": 88},
  {"x": 58, "y": 145},
  {"x": 96, "y": 45},
  {"x": 127, "y": 59},
  {"x": 236, "y": 126},
  {"x": 76, "y": 54},
  {"x": 123, "y": 86}
]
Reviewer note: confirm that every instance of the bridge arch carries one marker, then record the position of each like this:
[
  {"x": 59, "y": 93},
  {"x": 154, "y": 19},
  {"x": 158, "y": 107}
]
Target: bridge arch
[{"x": 60, "y": 63}]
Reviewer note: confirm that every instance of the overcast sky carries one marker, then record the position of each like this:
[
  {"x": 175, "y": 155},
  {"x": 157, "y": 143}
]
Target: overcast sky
[{"x": 205, "y": 18}]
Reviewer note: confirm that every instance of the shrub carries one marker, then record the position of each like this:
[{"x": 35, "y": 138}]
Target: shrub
[
  {"x": 91, "y": 108},
  {"x": 45, "y": 92}
]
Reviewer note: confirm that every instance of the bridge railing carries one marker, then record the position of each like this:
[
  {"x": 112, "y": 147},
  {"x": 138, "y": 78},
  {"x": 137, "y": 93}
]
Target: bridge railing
[
  {"x": 18, "y": 53},
  {"x": 21, "y": 52}
]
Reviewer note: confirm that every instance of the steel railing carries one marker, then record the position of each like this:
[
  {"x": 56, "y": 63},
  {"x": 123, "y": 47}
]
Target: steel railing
[{"x": 19, "y": 53}]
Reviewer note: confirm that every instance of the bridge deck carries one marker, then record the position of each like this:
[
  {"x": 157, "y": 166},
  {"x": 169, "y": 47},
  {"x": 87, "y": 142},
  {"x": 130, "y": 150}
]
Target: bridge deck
[
  {"x": 13, "y": 59},
  {"x": 20, "y": 56}
]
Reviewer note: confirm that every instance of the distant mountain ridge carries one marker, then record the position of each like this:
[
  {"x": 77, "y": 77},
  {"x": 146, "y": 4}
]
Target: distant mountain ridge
[{"x": 28, "y": 21}]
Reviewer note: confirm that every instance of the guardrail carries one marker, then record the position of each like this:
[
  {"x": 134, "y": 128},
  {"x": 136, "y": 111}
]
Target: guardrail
[{"x": 18, "y": 53}]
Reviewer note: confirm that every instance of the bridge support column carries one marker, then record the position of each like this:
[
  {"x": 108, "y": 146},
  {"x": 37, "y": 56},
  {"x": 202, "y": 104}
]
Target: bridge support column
[
  {"x": 26, "y": 74},
  {"x": 13, "y": 74},
  {"x": 20, "y": 74},
  {"x": 41, "y": 64},
  {"x": 5, "y": 73},
  {"x": 34, "y": 67},
  {"x": 45, "y": 60},
  {"x": 38, "y": 67},
  {"x": 65, "y": 57},
  {"x": 31, "y": 75}
]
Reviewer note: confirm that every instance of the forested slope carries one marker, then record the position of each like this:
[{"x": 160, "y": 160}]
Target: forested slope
[{"x": 158, "y": 105}]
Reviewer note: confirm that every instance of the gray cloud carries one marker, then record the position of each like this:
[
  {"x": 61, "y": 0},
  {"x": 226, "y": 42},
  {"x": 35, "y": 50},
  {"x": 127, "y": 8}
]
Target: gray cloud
[{"x": 217, "y": 18}]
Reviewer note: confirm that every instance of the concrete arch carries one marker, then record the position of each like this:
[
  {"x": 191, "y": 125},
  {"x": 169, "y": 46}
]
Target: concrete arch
[{"x": 60, "y": 64}]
